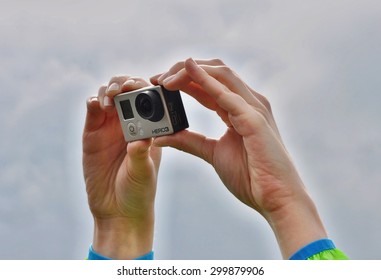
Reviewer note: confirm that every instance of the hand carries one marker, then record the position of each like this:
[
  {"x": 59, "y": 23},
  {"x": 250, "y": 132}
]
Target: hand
[
  {"x": 250, "y": 157},
  {"x": 120, "y": 177}
]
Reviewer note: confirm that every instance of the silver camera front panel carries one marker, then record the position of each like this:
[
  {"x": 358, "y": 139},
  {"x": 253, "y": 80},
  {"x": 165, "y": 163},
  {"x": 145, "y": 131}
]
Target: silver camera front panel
[{"x": 133, "y": 125}]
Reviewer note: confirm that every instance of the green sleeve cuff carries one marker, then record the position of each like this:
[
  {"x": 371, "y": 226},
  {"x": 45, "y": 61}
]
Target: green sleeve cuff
[{"x": 332, "y": 254}]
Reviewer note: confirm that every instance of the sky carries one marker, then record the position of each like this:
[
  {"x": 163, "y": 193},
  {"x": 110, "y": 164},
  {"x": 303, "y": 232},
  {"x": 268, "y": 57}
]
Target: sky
[{"x": 318, "y": 63}]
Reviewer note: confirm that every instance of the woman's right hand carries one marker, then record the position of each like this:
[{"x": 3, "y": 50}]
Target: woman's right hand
[{"x": 249, "y": 157}]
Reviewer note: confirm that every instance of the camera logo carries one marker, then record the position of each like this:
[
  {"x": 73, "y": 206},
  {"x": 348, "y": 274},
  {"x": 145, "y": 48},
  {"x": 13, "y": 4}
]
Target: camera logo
[{"x": 150, "y": 112}]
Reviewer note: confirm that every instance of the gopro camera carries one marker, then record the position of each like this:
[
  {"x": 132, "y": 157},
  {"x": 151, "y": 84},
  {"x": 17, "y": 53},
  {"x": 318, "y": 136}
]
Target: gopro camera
[{"x": 150, "y": 112}]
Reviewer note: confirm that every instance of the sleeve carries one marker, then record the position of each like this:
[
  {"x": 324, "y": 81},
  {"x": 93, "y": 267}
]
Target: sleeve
[
  {"x": 323, "y": 249},
  {"x": 96, "y": 256}
]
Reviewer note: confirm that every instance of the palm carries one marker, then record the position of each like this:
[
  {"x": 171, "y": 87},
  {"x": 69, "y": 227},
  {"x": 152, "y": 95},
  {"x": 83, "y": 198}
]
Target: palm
[
  {"x": 107, "y": 170},
  {"x": 104, "y": 151},
  {"x": 229, "y": 160}
]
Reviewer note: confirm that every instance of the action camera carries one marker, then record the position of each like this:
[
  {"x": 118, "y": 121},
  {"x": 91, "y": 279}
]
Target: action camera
[{"x": 150, "y": 112}]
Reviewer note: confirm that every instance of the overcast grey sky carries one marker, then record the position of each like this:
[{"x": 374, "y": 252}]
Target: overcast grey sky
[{"x": 318, "y": 62}]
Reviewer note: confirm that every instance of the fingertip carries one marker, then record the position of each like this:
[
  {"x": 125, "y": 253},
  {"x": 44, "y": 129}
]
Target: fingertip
[
  {"x": 190, "y": 62},
  {"x": 108, "y": 102},
  {"x": 167, "y": 81},
  {"x": 105, "y": 103},
  {"x": 191, "y": 66},
  {"x": 92, "y": 103},
  {"x": 154, "y": 79},
  {"x": 134, "y": 83},
  {"x": 139, "y": 149},
  {"x": 162, "y": 77},
  {"x": 129, "y": 82},
  {"x": 113, "y": 88},
  {"x": 177, "y": 81},
  {"x": 94, "y": 114}
]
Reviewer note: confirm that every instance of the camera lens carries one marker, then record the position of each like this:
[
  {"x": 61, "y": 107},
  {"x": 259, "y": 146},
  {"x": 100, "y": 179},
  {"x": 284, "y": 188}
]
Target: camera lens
[{"x": 149, "y": 106}]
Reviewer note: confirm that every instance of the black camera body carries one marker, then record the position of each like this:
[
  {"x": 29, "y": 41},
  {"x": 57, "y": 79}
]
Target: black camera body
[{"x": 150, "y": 112}]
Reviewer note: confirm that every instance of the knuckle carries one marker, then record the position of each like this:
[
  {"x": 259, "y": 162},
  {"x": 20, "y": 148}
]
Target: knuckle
[
  {"x": 102, "y": 90},
  {"x": 217, "y": 62},
  {"x": 226, "y": 70},
  {"x": 177, "y": 67},
  {"x": 265, "y": 102}
]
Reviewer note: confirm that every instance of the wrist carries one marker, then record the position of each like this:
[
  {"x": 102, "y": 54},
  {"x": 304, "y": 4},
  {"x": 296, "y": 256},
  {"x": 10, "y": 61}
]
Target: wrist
[
  {"x": 296, "y": 225},
  {"x": 123, "y": 238}
]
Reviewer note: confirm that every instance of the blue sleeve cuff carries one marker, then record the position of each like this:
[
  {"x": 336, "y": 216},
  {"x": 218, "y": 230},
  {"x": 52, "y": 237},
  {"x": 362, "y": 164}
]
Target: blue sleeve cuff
[
  {"x": 96, "y": 256},
  {"x": 146, "y": 257},
  {"x": 313, "y": 248}
]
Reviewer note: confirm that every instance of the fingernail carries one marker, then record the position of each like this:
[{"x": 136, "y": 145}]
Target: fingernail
[
  {"x": 168, "y": 79},
  {"x": 113, "y": 87},
  {"x": 129, "y": 82},
  {"x": 156, "y": 77},
  {"x": 93, "y": 99},
  {"x": 107, "y": 102}
]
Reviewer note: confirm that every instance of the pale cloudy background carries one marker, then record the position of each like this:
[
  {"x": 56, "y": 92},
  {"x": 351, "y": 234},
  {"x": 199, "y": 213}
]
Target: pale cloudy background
[{"x": 318, "y": 62}]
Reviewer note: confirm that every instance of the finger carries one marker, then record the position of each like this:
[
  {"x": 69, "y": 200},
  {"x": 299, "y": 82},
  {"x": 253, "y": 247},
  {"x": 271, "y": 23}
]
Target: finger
[
  {"x": 181, "y": 65},
  {"x": 114, "y": 87},
  {"x": 229, "y": 78},
  {"x": 177, "y": 80},
  {"x": 232, "y": 81},
  {"x": 225, "y": 76},
  {"x": 242, "y": 116},
  {"x": 116, "y": 82},
  {"x": 124, "y": 84},
  {"x": 105, "y": 103},
  {"x": 154, "y": 79},
  {"x": 189, "y": 142},
  {"x": 223, "y": 96},
  {"x": 216, "y": 69},
  {"x": 195, "y": 91},
  {"x": 134, "y": 83},
  {"x": 182, "y": 81},
  {"x": 120, "y": 84},
  {"x": 94, "y": 115},
  {"x": 265, "y": 102}
]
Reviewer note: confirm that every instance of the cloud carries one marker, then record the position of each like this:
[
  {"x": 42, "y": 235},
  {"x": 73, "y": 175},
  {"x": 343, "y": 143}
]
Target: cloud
[{"x": 317, "y": 62}]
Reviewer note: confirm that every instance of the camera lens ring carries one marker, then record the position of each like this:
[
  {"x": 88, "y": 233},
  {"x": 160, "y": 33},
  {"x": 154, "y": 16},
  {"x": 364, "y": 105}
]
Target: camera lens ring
[{"x": 149, "y": 105}]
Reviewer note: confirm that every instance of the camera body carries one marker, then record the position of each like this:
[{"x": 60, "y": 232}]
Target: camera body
[{"x": 150, "y": 112}]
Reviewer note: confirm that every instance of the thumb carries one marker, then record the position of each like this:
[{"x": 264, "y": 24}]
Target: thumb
[
  {"x": 138, "y": 151},
  {"x": 189, "y": 142},
  {"x": 141, "y": 158}
]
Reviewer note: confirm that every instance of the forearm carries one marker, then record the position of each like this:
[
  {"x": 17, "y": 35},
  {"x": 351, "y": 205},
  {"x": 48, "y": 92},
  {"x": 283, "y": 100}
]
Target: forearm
[{"x": 119, "y": 238}]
